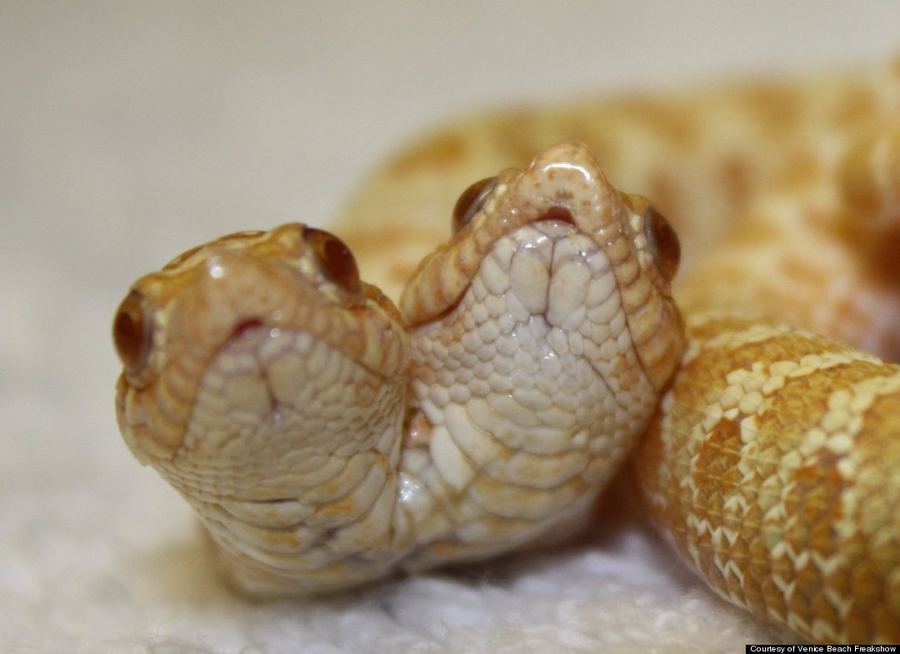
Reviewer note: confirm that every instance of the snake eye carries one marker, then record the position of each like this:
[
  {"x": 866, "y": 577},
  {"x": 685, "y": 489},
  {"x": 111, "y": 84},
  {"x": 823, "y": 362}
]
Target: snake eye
[
  {"x": 471, "y": 201},
  {"x": 662, "y": 241},
  {"x": 335, "y": 259},
  {"x": 132, "y": 333}
]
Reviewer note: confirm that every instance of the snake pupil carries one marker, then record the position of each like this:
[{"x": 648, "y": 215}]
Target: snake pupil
[
  {"x": 131, "y": 333},
  {"x": 663, "y": 242},
  {"x": 335, "y": 258},
  {"x": 471, "y": 201}
]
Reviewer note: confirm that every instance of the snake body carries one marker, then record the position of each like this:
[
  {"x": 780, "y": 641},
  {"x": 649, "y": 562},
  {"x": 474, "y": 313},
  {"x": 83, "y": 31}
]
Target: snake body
[
  {"x": 327, "y": 437},
  {"x": 324, "y": 438}
]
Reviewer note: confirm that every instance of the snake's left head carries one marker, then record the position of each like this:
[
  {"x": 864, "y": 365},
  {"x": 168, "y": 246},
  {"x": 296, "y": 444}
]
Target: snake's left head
[{"x": 218, "y": 347}]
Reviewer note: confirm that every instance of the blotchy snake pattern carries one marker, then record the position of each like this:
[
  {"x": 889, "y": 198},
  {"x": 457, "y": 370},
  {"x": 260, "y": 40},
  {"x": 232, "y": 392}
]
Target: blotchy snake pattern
[{"x": 772, "y": 459}]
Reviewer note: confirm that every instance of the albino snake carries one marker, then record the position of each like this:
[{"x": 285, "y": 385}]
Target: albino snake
[{"x": 328, "y": 438}]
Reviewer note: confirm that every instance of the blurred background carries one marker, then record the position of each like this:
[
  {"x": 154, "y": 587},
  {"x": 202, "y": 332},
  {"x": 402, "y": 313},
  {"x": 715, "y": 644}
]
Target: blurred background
[{"x": 130, "y": 131}]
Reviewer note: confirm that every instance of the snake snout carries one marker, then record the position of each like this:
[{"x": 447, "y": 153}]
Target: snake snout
[{"x": 552, "y": 268}]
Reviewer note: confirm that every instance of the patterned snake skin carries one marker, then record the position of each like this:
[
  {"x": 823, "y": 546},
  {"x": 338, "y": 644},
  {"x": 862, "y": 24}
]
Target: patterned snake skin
[{"x": 327, "y": 438}]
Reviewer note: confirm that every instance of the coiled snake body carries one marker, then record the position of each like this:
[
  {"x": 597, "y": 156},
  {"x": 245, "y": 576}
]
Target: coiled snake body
[{"x": 327, "y": 437}]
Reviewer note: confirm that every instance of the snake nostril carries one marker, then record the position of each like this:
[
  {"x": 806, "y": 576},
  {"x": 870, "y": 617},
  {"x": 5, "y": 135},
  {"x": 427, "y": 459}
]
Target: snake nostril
[
  {"x": 244, "y": 327},
  {"x": 560, "y": 214}
]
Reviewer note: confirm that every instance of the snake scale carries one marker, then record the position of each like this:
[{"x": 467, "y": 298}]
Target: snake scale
[{"x": 329, "y": 433}]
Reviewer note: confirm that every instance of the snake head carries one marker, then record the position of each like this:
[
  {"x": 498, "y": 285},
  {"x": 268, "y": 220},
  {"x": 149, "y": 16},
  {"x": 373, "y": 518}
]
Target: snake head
[
  {"x": 564, "y": 184},
  {"x": 215, "y": 344}
]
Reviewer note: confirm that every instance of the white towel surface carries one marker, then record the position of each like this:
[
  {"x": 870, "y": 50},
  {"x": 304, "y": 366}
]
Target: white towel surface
[{"x": 129, "y": 132}]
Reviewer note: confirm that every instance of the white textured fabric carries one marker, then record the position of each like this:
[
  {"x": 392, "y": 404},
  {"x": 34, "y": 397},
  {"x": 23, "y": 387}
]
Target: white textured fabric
[{"x": 128, "y": 133}]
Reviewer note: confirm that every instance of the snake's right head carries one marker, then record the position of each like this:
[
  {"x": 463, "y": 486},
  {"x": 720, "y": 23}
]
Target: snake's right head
[
  {"x": 231, "y": 343},
  {"x": 626, "y": 280},
  {"x": 542, "y": 336}
]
